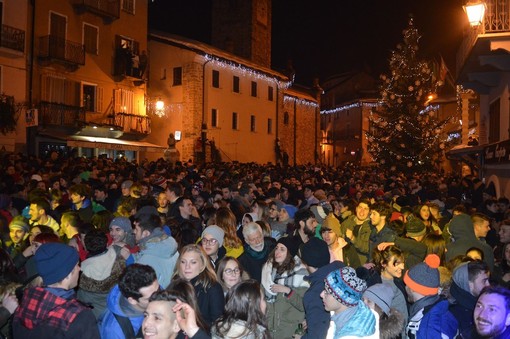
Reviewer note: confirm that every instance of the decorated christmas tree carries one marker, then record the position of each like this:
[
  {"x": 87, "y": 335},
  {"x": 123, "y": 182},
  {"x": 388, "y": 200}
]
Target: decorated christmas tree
[{"x": 405, "y": 133}]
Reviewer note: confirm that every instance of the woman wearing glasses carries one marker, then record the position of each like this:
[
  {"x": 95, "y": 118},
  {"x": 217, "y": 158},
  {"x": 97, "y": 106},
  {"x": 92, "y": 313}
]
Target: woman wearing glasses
[
  {"x": 194, "y": 266},
  {"x": 212, "y": 244},
  {"x": 229, "y": 273}
]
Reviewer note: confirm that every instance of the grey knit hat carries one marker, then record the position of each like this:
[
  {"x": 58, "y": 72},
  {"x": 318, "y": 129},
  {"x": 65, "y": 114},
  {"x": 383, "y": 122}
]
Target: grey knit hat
[
  {"x": 381, "y": 295},
  {"x": 216, "y": 232},
  {"x": 123, "y": 223}
]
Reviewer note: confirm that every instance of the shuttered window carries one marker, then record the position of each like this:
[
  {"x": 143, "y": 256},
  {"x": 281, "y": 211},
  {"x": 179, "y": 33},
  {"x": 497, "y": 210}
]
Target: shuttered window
[{"x": 90, "y": 38}]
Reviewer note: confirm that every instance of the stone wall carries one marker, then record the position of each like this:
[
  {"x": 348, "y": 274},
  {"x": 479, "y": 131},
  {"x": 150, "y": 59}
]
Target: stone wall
[{"x": 192, "y": 83}]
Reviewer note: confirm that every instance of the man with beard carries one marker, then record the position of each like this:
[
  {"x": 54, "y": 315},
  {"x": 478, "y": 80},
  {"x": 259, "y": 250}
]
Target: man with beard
[
  {"x": 492, "y": 313},
  {"x": 256, "y": 250},
  {"x": 306, "y": 223},
  {"x": 357, "y": 230}
]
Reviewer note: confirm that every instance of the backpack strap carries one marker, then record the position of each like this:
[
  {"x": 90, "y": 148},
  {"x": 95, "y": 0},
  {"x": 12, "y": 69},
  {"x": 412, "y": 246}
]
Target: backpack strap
[{"x": 127, "y": 328}]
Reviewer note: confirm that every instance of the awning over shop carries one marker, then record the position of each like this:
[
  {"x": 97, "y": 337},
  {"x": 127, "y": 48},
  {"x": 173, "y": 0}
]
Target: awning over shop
[
  {"x": 472, "y": 155},
  {"x": 109, "y": 143}
]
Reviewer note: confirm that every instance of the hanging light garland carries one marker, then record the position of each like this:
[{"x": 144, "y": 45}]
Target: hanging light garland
[{"x": 245, "y": 71}]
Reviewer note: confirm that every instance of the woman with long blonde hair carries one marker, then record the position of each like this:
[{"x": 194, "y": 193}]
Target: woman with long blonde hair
[
  {"x": 194, "y": 266},
  {"x": 227, "y": 221}
]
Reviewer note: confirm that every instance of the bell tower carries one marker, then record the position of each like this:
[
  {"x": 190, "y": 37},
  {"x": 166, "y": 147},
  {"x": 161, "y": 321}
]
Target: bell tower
[{"x": 243, "y": 27}]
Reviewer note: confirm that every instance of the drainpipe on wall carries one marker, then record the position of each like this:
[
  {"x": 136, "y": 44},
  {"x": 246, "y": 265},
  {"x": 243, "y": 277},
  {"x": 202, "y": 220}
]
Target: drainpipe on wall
[
  {"x": 30, "y": 130},
  {"x": 277, "y": 111},
  {"x": 295, "y": 129},
  {"x": 203, "y": 134}
]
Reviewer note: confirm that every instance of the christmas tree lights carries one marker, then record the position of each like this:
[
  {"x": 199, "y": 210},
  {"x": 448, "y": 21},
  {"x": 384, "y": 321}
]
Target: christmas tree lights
[{"x": 405, "y": 133}]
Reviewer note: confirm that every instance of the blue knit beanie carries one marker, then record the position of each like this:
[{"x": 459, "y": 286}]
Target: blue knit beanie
[
  {"x": 345, "y": 286},
  {"x": 55, "y": 261}
]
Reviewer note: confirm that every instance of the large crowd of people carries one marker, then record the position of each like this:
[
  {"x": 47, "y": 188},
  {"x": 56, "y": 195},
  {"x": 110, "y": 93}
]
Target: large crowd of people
[{"x": 104, "y": 248}]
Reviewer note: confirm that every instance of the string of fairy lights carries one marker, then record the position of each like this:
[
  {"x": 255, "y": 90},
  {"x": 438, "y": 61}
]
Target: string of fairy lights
[{"x": 246, "y": 71}]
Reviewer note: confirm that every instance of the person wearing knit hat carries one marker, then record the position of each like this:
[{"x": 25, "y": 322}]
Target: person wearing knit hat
[
  {"x": 422, "y": 286},
  {"x": 58, "y": 265},
  {"x": 212, "y": 243},
  {"x": 18, "y": 233},
  {"x": 342, "y": 295},
  {"x": 315, "y": 253},
  {"x": 121, "y": 232},
  {"x": 339, "y": 249},
  {"x": 379, "y": 297},
  {"x": 415, "y": 228},
  {"x": 283, "y": 280}
]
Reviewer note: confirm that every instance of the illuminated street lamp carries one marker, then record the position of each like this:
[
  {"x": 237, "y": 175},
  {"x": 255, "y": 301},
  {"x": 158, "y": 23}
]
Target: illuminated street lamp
[{"x": 475, "y": 11}]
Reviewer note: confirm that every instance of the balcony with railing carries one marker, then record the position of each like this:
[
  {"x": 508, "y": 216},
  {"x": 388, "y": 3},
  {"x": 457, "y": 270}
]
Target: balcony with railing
[
  {"x": 109, "y": 10},
  {"x": 131, "y": 123},
  {"x": 496, "y": 24},
  {"x": 53, "y": 114},
  {"x": 12, "y": 38},
  {"x": 56, "y": 49}
]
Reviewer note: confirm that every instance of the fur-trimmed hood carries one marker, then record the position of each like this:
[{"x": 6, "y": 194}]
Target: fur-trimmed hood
[{"x": 392, "y": 326}]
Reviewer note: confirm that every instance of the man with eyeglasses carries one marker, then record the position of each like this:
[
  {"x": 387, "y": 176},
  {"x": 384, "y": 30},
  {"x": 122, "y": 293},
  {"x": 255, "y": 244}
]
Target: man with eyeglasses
[{"x": 212, "y": 243}]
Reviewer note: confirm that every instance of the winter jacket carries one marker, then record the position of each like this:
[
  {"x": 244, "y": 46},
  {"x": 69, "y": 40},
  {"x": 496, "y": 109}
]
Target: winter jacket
[
  {"x": 99, "y": 274},
  {"x": 252, "y": 261},
  {"x": 386, "y": 234},
  {"x": 463, "y": 233},
  {"x": 210, "y": 302},
  {"x": 418, "y": 313},
  {"x": 118, "y": 304},
  {"x": 159, "y": 251},
  {"x": 316, "y": 316},
  {"x": 43, "y": 314},
  {"x": 391, "y": 327},
  {"x": 238, "y": 330},
  {"x": 361, "y": 235},
  {"x": 435, "y": 324},
  {"x": 414, "y": 251},
  {"x": 284, "y": 311}
]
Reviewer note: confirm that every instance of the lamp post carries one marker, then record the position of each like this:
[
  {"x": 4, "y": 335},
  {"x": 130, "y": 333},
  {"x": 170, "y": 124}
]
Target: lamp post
[{"x": 475, "y": 11}]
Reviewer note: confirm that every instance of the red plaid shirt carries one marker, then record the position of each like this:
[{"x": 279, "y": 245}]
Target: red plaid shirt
[{"x": 42, "y": 307}]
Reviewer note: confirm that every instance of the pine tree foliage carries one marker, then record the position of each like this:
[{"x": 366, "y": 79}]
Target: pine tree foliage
[{"x": 405, "y": 133}]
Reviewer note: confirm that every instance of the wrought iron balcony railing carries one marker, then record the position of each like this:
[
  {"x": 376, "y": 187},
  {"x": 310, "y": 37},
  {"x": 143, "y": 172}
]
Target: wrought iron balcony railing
[
  {"x": 496, "y": 21},
  {"x": 60, "y": 115},
  {"x": 107, "y": 9},
  {"x": 55, "y": 48},
  {"x": 12, "y": 38},
  {"x": 131, "y": 123}
]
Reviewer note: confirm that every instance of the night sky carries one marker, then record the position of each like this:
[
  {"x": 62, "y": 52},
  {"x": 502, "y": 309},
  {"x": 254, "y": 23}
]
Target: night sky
[{"x": 327, "y": 37}]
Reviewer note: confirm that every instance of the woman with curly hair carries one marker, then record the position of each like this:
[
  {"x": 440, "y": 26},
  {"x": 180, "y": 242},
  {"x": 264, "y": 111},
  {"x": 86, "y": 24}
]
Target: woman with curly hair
[
  {"x": 388, "y": 269},
  {"x": 227, "y": 221},
  {"x": 284, "y": 287},
  {"x": 194, "y": 266},
  {"x": 244, "y": 313}
]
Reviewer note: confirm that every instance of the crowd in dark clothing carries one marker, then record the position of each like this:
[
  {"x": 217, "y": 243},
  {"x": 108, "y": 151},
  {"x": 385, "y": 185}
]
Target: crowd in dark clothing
[{"x": 159, "y": 219}]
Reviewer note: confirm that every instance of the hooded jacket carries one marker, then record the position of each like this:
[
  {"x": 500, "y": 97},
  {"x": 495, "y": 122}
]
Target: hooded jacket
[
  {"x": 159, "y": 251},
  {"x": 117, "y": 304},
  {"x": 462, "y": 231},
  {"x": 316, "y": 316},
  {"x": 43, "y": 314}
]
